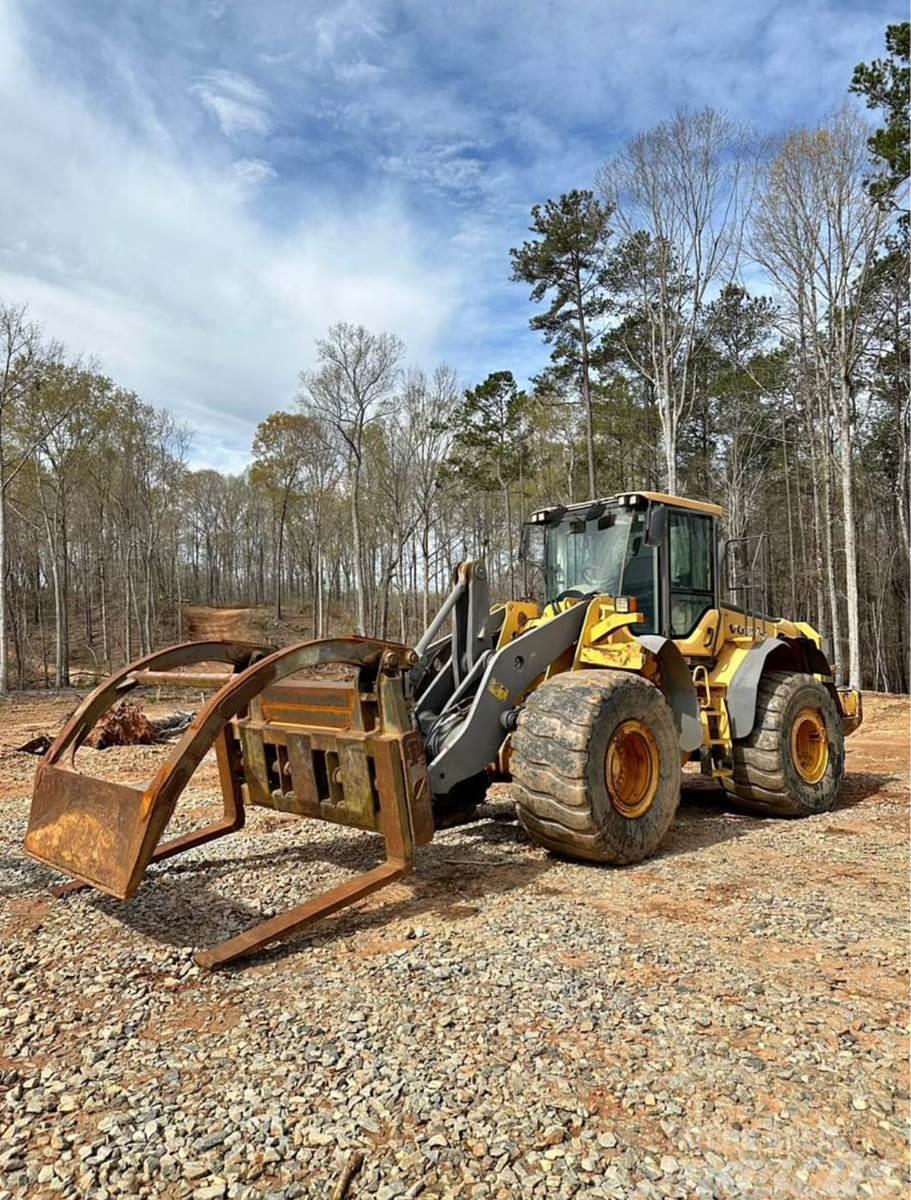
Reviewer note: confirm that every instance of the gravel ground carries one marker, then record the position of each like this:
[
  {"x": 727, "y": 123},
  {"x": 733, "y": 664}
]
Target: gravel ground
[{"x": 728, "y": 1019}]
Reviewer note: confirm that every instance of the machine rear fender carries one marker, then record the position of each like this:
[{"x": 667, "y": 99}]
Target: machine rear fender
[{"x": 796, "y": 654}]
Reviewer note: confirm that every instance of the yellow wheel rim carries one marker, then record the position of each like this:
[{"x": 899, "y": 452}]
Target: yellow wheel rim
[
  {"x": 631, "y": 769},
  {"x": 810, "y": 745}
]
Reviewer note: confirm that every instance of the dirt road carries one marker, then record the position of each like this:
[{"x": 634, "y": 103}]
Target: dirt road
[{"x": 727, "y": 1019}]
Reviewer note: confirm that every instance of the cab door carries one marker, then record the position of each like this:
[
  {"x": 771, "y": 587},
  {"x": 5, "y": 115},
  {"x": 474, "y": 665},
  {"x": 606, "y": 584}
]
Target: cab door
[{"x": 690, "y": 581}]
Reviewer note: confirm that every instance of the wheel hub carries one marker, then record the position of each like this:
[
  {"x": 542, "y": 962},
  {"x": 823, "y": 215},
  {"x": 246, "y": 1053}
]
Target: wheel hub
[
  {"x": 810, "y": 745},
  {"x": 632, "y": 768}
]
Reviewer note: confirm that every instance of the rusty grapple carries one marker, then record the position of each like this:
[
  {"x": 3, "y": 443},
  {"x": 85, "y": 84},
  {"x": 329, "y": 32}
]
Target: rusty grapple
[{"x": 342, "y": 751}]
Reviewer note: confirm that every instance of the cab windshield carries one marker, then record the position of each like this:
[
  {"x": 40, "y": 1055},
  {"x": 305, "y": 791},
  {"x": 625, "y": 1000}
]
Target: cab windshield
[
  {"x": 605, "y": 554},
  {"x": 585, "y": 558}
]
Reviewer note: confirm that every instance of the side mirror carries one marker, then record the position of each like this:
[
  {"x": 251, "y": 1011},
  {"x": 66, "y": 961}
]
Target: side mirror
[
  {"x": 656, "y": 530},
  {"x": 531, "y": 544}
]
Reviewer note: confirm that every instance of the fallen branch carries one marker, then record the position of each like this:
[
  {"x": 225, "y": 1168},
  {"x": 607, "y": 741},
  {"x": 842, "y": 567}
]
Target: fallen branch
[
  {"x": 351, "y": 1168},
  {"x": 38, "y": 745},
  {"x": 480, "y": 862},
  {"x": 169, "y": 727}
]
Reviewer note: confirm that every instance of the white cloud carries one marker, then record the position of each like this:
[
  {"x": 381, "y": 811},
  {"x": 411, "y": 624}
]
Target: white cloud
[
  {"x": 445, "y": 168},
  {"x": 157, "y": 261},
  {"x": 345, "y": 21},
  {"x": 238, "y": 104},
  {"x": 366, "y": 160},
  {"x": 358, "y": 72},
  {"x": 251, "y": 173}
]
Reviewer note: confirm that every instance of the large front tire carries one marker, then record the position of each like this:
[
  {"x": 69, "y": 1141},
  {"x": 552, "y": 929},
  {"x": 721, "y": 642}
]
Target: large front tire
[
  {"x": 793, "y": 761},
  {"x": 595, "y": 763}
]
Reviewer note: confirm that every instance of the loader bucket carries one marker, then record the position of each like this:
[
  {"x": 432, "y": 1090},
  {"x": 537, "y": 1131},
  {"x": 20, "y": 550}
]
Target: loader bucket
[
  {"x": 100, "y": 832},
  {"x": 332, "y": 751},
  {"x": 90, "y": 828}
]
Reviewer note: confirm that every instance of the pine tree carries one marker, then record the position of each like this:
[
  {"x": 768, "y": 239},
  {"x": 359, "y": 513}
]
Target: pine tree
[{"x": 566, "y": 263}]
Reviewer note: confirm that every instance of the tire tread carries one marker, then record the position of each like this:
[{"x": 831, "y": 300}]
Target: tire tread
[
  {"x": 760, "y": 772},
  {"x": 550, "y": 765}
]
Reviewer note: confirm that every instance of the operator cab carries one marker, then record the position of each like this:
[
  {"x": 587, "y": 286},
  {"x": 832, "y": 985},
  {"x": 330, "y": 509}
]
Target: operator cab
[{"x": 655, "y": 549}]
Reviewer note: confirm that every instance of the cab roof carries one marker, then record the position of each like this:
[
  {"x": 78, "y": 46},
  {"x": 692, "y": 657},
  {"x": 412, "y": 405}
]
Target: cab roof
[
  {"x": 630, "y": 498},
  {"x": 714, "y": 510}
]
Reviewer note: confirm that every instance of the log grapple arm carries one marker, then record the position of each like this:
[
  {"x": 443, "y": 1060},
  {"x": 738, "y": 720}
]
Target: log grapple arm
[{"x": 344, "y": 752}]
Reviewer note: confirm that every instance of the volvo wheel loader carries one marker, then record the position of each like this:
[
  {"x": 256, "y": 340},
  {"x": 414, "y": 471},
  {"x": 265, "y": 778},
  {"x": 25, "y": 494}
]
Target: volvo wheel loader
[{"x": 590, "y": 702}]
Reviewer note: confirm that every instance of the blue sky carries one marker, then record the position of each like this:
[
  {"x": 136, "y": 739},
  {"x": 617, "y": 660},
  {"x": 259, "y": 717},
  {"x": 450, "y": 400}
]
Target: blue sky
[{"x": 192, "y": 191}]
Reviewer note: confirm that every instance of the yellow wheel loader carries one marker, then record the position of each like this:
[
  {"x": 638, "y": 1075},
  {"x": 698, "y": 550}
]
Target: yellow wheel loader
[{"x": 590, "y": 702}]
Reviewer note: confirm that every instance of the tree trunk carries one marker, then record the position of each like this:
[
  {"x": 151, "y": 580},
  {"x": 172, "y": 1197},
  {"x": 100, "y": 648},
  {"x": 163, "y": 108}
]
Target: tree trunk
[
  {"x": 511, "y": 574},
  {"x": 318, "y": 591},
  {"x": 787, "y": 493},
  {"x": 41, "y": 634},
  {"x": 383, "y": 599},
  {"x": 63, "y": 653},
  {"x": 147, "y": 599},
  {"x": 178, "y": 593},
  {"x": 831, "y": 572},
  {"x": 55, "y": 580},
  {"x": 20, "y": 633},
  {"x": 4, "y": 664},
  {"x": 279, "y": 546},
  {"x": 360, "y": 611},
  {"x": 847, "y": 496},
  {"x": 586, "y": 389},
  {"x": 817, "y": 533},
  {"x": 127, "y": 628},
  {"x": 134, "y": 605},
  {"x": 425, "y": 556},
  {"x": 668, "y": 419},
  {"x": 103, "y": 597}
]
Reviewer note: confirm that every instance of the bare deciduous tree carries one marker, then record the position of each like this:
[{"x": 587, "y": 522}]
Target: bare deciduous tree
[
  {"x": 816, "y": 233},
  {"x": 429, "y": 408},
  {"x": 20, "y": 374},
  {"x": 281, "y": 445},
  {"x": 350, "y": 390},
  {"x": 681, "y": 194}
]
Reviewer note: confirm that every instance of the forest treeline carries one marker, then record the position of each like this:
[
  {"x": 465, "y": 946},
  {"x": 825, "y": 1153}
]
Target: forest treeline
[{"x": 725, "y": 318}]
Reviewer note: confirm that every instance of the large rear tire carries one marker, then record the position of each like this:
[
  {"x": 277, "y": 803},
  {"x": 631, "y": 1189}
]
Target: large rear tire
[
  {"x": 595, "y": 763},
  {"x": 793, "y": 761}
]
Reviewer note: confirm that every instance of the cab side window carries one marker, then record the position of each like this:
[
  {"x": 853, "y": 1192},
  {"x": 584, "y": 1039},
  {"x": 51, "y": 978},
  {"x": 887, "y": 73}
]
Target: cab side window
[
  {"x": 640, "y": 577},
  {"x": 692, "y": 570}
]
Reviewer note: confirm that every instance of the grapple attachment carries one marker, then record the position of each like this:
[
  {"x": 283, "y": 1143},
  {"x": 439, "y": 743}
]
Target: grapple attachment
[{"x": 345, "y": 752}]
